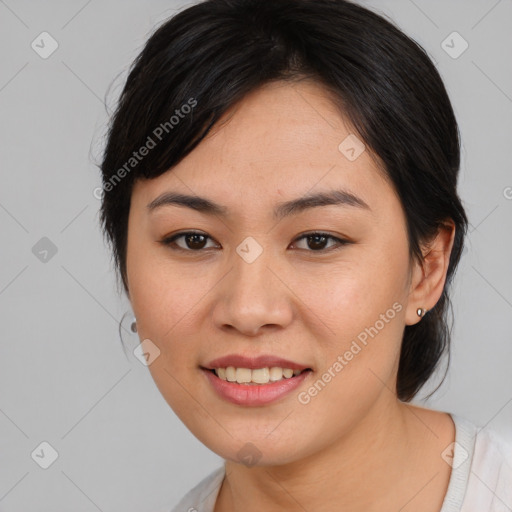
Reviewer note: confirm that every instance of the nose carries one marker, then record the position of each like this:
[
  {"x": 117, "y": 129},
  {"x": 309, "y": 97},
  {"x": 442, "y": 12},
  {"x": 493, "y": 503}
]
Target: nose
[{"x": 253, "y": 296}]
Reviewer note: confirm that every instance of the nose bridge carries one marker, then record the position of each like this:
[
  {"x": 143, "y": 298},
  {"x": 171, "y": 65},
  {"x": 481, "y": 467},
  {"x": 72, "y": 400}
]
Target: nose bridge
[
  {"x": 251, "y": 260},
  {"x": 252, "y": 296}
]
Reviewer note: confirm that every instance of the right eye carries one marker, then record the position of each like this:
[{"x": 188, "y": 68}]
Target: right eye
[{"x": 194, "y": 241}]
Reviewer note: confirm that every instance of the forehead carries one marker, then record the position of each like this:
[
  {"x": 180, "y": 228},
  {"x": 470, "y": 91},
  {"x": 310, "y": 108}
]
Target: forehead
[{"x": 282, "y": 141}]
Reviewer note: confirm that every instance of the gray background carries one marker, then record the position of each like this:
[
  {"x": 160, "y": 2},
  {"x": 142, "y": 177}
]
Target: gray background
[{"x": 64, "y": 378}]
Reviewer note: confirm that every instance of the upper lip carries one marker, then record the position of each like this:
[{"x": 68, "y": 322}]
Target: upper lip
[{"x": 262, "y": 361}]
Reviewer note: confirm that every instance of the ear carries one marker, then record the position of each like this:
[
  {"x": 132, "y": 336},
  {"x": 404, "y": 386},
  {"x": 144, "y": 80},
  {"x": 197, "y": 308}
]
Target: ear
[{"x": 428, "y": 278}]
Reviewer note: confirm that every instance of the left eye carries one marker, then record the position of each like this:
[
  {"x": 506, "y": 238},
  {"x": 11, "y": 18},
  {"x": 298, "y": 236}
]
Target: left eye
[
  {"x": 195, "y": 242},
  {"x": 317, "y": 241}
]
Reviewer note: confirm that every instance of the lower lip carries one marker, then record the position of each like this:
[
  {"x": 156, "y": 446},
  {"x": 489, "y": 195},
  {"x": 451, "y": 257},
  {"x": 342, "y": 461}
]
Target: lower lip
[{"x": 254, "y": 394}]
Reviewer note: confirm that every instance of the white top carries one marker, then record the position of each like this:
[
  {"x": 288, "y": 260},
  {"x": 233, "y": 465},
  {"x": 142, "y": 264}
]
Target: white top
[{"x": 480, "y": 481}]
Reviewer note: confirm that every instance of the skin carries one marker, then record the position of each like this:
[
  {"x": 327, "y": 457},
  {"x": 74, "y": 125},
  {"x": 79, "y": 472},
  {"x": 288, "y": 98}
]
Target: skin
[{"x": 354, "y": 446}]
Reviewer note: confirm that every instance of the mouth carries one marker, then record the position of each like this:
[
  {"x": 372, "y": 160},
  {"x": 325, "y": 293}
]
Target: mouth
[{"x": 257, "y": 386}]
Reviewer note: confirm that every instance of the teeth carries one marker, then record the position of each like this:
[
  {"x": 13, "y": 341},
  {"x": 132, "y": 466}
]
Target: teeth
[
  {"x": 230, "y": 374},
  {"x": 260, "y": 376},
  {"x": 243, "y": 375},
  {"x": 257, "y": 376}
]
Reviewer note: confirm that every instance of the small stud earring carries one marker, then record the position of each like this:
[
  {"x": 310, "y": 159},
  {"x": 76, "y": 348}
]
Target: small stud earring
[{"x": 421, "y": 312}]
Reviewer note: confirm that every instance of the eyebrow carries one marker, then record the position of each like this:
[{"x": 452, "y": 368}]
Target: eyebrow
[{"x": 284, "y": 209}]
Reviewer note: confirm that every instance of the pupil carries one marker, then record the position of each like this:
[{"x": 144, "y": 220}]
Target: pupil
[
  {"x": 190, "y": 241},
  {"x": 316, "y": 241}
]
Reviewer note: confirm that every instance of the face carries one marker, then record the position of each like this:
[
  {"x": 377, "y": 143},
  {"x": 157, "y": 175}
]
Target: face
[{"x": 325, "y": 286}]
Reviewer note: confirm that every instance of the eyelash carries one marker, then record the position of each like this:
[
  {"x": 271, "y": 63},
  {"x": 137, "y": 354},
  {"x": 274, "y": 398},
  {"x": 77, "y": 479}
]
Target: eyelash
[{"x": 170, "y": 241}]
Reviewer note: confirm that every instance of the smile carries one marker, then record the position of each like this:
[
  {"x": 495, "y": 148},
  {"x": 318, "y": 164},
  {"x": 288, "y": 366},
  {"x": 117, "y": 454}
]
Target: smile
[{"x": 256, "y": 387}]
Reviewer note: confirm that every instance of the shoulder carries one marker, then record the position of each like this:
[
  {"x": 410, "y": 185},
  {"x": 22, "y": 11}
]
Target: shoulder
[
  {"x": 482, "y": 468},
  {"x": 490, "y": 479},
  {"x": 491, "y": 447},
  {"x": 203, "y": 496}
]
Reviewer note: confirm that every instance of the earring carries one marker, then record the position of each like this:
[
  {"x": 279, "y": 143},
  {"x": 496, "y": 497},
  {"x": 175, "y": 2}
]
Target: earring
[
  {"x": 421, "y": 312},
  {"x": 127, "y": 330}
]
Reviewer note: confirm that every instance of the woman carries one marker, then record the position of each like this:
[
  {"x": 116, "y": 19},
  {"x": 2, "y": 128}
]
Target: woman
[{"x": 280, "y": 196}]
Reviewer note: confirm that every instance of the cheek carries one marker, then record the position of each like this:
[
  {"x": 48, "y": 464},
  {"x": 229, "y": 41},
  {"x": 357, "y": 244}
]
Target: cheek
[
  {"x": 164, "y": 294},
  {"x": 351, "y": 295},
  {"x": 358, "y": 355},
  {"x": 360, "y": 307},
  {"x": 365, "y": 331},
  {"x": 165, "y": 301}
]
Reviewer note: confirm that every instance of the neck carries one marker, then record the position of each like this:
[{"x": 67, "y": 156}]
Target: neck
[{"x": 376, "y": 464}]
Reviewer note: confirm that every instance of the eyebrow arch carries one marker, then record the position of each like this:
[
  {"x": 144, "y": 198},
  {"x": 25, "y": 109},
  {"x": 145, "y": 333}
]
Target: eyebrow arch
[{"x": 285, "y": 209}]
